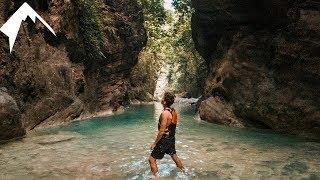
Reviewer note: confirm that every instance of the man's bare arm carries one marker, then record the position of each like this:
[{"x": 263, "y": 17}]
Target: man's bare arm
[{"x": 163, "y": 126}]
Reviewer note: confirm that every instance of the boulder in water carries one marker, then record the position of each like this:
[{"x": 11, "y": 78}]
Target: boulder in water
[
  {"x": 10, "y": 117},
  {"x": 214, "y": 110}
]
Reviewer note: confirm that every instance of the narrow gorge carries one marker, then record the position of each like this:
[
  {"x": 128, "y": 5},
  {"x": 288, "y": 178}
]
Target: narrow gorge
[{"x": 242, "y": 81}]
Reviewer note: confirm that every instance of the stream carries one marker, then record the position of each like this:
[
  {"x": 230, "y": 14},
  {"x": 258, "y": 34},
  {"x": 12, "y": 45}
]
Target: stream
[{"x": 117, "y": 147}]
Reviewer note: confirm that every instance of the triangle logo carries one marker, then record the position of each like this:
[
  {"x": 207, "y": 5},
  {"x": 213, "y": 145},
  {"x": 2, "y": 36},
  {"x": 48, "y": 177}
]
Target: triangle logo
[{"x": 12, "y": 26}]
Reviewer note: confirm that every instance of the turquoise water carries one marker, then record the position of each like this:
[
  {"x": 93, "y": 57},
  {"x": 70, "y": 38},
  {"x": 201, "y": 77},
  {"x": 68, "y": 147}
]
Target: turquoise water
[{"x": 117, "y": 147}]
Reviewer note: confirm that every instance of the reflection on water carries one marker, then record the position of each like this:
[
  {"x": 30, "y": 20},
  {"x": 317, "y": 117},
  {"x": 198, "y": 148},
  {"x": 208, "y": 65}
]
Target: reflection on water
[{"x": 117, "y": 147}]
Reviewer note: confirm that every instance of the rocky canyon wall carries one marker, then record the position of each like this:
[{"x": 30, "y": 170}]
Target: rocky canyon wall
[
  {"x": 83, "y": 70},
  {"x": 264, "y": 63}
]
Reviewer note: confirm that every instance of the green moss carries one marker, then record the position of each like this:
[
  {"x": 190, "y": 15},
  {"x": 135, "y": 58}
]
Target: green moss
[{"x": 89, "y": 27}]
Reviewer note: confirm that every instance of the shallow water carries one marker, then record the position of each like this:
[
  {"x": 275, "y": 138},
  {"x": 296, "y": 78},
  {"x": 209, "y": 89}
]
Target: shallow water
[{"x": 117, "y": 147}]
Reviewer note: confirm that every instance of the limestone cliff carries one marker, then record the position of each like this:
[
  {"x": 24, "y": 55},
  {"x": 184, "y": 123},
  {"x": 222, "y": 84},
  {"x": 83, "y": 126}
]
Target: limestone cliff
[
  {"x": 84, "y": 70},
  {"x": 264, "y": 63}
]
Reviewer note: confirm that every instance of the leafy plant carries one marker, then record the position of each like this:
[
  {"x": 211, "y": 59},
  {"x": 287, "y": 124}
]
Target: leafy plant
[{"x": 89, "y": 27}]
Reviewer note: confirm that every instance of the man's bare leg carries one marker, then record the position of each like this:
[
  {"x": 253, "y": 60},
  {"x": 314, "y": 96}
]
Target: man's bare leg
[
  {"x": 153, "y": 165},
  {"x": 178, "y": 162}
]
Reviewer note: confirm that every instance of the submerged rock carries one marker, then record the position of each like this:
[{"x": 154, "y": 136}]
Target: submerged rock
[
  {"x": 295, "y": 167},
  {"x": 263, "y": 60},
  {"x": 10, "y": 117},
  {"x": 53, "y": 139}
]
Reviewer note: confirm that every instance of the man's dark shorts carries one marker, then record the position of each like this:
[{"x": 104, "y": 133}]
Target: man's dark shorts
[{"x": 164, "y": 146}]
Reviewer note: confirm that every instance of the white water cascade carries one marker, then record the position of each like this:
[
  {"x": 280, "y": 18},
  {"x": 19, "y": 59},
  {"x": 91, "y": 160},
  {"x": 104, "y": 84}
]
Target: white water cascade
[{"x": 162, "y": 82}]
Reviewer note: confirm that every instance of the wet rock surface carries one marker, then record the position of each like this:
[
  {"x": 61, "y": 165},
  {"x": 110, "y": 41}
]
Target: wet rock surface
[
  {"x": 83, "y": 70},
  {"x": 263, "y": 59}
]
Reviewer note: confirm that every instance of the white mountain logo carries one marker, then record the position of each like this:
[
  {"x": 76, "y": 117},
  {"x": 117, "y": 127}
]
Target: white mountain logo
[{"x": 12, "y": 26}]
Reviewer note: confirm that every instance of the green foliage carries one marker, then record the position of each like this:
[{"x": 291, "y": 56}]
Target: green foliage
[
  {"x": 170, "y": 42},
  {"x": 182, "y": 6},
  {"x": 89, "y": 27},
  {"x": 154, "y": 16},
  {"x": 144, "y": 75},
  {"x": 189, "y": 69}
]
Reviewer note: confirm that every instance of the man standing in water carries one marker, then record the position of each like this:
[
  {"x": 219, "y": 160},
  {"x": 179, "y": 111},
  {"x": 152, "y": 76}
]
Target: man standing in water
[{"x": 165, "y": 141}]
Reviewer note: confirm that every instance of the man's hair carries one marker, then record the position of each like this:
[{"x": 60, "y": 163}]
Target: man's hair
[{"x": 169, "y": 98}]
